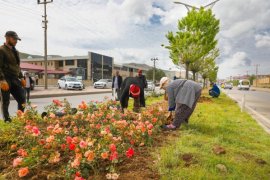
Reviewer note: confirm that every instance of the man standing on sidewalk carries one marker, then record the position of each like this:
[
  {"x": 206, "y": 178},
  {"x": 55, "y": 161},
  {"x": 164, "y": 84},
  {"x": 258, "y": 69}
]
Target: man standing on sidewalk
[
  {"x": 29, "y": 82},
  {"x": 11, "y": 79},
  {"x": 116, "y": 85}
]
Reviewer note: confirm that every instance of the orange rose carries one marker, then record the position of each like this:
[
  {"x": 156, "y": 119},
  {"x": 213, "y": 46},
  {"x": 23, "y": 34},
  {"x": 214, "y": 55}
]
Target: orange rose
[
  {"x": 104, "y": 155},
  {"x": 23, "y": 172}
]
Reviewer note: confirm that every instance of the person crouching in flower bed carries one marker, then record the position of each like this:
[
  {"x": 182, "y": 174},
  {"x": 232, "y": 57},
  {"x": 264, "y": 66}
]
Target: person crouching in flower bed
[
  {"x": 182, "y": 96},
  {"x": 131, "y": 87}
]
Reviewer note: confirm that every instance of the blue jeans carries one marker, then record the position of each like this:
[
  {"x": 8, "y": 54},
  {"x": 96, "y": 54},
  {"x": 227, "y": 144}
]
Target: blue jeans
[{"x": 213, "y": 94}]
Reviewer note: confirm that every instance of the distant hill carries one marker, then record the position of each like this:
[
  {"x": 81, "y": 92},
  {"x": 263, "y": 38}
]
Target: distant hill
[{"x": 26, "y": 56}]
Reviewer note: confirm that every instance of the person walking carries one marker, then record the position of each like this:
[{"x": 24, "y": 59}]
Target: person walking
[
  {"x": 143, "y": 85},
  {"x": 29, "y": 82},
  {"x": 116, "y": 85},
  {"x": 183, "y": 96},
  {"x": 11, "y": 79}
]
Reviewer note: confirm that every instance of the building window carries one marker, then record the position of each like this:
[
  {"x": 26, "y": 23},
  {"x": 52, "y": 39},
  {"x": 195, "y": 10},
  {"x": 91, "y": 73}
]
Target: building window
[
  {"x": 61, "y": 64},
  {"x": 69, "y": 62}
]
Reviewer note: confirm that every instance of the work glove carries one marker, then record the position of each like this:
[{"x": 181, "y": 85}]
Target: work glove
[
  {"x": 23, "y": 82},
  {"x": 171, "y": 108},
  {"x": 4, "y": 85}
]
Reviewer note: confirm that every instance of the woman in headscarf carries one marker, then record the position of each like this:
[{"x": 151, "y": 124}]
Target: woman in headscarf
[{"x": 182, "y": 95}]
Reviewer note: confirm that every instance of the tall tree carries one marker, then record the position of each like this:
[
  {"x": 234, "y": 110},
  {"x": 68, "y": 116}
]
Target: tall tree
[
  {"x": 158, "y": 74},
  {"x": 194, "y": 39}
]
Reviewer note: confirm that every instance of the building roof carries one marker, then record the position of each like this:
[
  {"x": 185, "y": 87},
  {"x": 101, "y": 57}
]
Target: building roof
[
  {"x": 55, "y": 58},
  {"x": 28, "y": 66},
  {"x": 55, "y": 72}
]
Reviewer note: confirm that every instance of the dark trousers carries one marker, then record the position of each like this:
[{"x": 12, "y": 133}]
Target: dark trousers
[
  {"x": 183, "y": 112},
  {"x": 17, "y": 91},
  {"x": 27, "y": 93}
]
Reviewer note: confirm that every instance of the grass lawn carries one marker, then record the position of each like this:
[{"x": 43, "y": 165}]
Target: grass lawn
[{"x": 220, "y": 142}]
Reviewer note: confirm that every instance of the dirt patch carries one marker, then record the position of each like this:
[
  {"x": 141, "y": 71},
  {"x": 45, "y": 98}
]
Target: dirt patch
[
  {"x": 189, "y": 159},
  {"x": 260, "y": 161},
  {"x": 219, "y": 150},
  {"x": 204, "y": 99}
]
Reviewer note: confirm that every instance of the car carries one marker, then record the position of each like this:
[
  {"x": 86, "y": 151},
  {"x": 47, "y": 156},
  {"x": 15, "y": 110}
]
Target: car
[
  {"x": 228, "y": 85},
  {"x": 103, "y": 83},
  {"x": 67, "y": 82},
  {"x": 243, "y": 84},
  {"x": 150, "y": 86}
]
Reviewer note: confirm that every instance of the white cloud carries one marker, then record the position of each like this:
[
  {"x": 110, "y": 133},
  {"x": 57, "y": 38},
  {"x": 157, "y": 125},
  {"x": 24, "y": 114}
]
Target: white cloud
[
  {"x": 122, "y": 29},
  {"x": 262, "y": 40}
]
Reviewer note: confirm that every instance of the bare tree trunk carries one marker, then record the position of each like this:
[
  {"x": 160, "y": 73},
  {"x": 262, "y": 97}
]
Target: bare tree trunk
[
  {"x": 194, "y": 76},
  {"x": 187, "y": 68},
  {"x": 204, "y": 79}
]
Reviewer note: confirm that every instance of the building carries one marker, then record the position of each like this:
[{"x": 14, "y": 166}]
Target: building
[{"x": 89, "y": 68}]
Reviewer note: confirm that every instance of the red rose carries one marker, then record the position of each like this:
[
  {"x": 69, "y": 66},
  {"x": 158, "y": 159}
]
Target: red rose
[
  {"x": 129, "y": 152},
  {"x": 112, "y": 147},
  {"x": 72, "y": 146}
]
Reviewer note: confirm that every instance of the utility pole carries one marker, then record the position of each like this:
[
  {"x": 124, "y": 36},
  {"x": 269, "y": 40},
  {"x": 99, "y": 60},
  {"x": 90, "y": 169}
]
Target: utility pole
[
  {"x": 154, "y": 60},
  {"x": 45, "y": 21},
  {"x": 257, "y": 65}
]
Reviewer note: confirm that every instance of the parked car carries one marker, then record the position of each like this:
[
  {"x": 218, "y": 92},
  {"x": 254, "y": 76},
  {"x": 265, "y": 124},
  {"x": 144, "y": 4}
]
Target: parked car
[
  {"x": 243, "y": 84},
  {"x": 228, "y": 85},
  {"x": 150, "y": 86},
  {"x": 69, "y": 83},
  {"x": 103, "y": 83}
]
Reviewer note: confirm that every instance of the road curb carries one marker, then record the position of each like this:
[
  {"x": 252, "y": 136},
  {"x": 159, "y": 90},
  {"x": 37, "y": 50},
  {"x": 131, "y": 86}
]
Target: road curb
[
  {"x": 65, "y": 94},
  {"x": 255, "y": 115}
]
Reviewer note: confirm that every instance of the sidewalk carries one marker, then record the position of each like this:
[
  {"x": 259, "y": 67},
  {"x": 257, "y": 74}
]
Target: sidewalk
[
  {"x": 260, "y": 89},
  {"x": 40, "y": 92}
]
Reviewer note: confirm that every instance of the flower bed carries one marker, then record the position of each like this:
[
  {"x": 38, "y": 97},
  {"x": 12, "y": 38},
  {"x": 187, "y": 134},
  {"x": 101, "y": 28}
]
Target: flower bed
[{"x": 77, "y": 146}]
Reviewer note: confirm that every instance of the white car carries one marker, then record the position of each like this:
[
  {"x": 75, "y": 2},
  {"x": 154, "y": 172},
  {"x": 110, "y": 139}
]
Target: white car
[
  {"x": 228, "y": 85},
  {"x": 150, "y": 86},
  {"x": 69, "y": 83},
  {"x": 103, "y": 83}
]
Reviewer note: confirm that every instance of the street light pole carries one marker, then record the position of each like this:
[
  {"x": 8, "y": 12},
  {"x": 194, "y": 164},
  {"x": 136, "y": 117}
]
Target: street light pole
[
  {"x": 45, "y": 21},
  {"x": 154, "y": 60}
]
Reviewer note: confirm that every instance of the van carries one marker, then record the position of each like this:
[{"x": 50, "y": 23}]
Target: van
[{"x": 243, "y": 84}]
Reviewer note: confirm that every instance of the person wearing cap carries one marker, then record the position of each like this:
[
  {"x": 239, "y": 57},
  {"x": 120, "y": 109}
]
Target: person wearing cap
[
  {"x": 143, "y": 85},
  {"x": 182, "y": 96},
  {"x": 116, "y": 85},
  {"x": 11, "y": 79},
  {"x": 131, "y": 87}
]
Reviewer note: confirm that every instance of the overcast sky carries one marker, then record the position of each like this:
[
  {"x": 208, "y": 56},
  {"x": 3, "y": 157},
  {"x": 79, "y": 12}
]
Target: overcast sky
[{"x": 133, "y": 30}]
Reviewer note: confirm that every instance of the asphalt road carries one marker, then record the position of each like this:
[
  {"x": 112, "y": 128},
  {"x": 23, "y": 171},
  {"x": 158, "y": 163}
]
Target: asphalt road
[
  {"x": 74, "y": 100},
  {"x": 258, "y": 102}
]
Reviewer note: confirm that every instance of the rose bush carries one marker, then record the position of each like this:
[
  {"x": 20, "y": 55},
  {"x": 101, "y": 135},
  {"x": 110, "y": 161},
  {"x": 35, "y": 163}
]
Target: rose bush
[{"x": 79, "y": 145}]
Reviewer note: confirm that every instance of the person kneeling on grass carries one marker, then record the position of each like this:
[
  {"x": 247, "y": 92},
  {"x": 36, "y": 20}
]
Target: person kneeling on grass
[
  {"x": 182, "y": 96},
  {"x": 131, "y": 87},
  {"x": 214, "y": 92}
]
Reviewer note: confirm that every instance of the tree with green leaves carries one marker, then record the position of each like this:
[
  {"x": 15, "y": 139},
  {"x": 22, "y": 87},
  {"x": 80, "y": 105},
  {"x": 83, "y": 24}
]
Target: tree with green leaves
[
  {"x": 158, "y": 74},
  {"x": 194, "y": 40}
]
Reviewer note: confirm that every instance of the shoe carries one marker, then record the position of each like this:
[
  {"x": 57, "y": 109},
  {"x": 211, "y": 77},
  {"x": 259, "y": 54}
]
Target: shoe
[
  {"x": 168, "y": 127},
  {"x": 8, "y": 120}
]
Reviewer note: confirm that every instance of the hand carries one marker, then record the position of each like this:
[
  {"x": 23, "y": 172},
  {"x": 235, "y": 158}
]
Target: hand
[
  {"x": 4, "y": 85},
  {"x": 23, "y": 82},
  {"x": 172, "y": 108}
]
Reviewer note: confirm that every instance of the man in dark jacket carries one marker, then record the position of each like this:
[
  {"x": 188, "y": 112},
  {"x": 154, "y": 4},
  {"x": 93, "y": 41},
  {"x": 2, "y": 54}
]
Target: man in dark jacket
[
  {"x": 131, "y": 87},
  {"x": 144, "y": 85},
  {"x": 116, "y": 85},
  {"x": 11, "y": 79}
]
